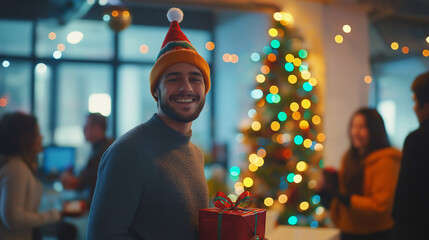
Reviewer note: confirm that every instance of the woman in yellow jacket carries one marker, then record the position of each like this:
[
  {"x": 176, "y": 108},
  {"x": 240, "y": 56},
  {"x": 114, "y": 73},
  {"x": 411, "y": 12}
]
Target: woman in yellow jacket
[{"x": 369, "y": 171}]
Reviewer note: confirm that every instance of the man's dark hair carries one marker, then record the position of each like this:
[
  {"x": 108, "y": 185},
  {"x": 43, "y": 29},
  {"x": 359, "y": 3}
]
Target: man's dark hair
[
  {"x": 98, "y": 119},
  {"x": 420, "y": 88}
]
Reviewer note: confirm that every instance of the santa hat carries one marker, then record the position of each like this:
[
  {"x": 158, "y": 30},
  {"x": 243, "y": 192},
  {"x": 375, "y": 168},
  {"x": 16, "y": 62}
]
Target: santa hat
[{"x": 176, "y": 48}]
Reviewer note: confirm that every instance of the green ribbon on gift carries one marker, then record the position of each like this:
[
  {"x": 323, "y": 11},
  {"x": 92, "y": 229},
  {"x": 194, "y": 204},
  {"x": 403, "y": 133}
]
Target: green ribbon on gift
[{"x": 224, "y": 202}]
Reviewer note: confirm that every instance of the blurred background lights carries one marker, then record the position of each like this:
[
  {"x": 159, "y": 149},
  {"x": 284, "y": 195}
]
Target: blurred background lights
[
  {"x": 255, "y": 57},
  {"x": 292, "y": 220},
  {"x": 425, "y": 53},
  {"x": 74, "y": 37},
  {"x": 41, "y": 68},
  {"x": 297, "y": 178},
  {"x": 287, "y": 17},
  {"x": 367, "y": 79},
  {"x": 5, "y": 63},
  {"x": 90, "y": 2},
  {"x": 292, "y": 79},
  {"x": 339, "y": 38},
  {"x": 321, "y": 137},
  {"x": 282, "y": 198},
  {"x": 233, "y": 197},
  {"x": 289, "y": 58},
  {"x": 251, "y": 113},
  {"x": 102, "y": 2},
  {"x": 307, "y": 143},
  {"x": 316, "y": 119},
  {"x": 305, "y": 103},
  {"x": 298, "y": 140},
  {"x": 265, "y": 69},
  {"x": 303, "y": 125},
  {"x": 282, "y": 116},
  {"x": 100, "y": 103},
  {"x": 290, "y": 177},
  {"x": 306, "y": 75},
  {"x": 234, "y": 58},
  {"x": 307, "y": 87},
  {"x": 277, "y": 16},
  {"x": 52, "y": 35},
  {"x": 260, "y": 78},
  {"x": 314, "y": 224},
  {"x": 271, "y": 57},
  {"x": 262, "y": 152},
  {"x": 394, "y": 45},
  {"x": 273, "y": 32},
  {"x": 296, "y": 116},
  {"x": 312, "y": 184},
  {"x": 239, "y": 137},
  {"x": 275, "y": 43},
  {"x": 226, "y": 57},
  {"x": 57, "y": 54},
  {"x": 57, "y": 186},
  {"x": 268, "y": 201},
  {"x": 289, "y": 67},
  {"x": 297, "y": 62},
  {"x": 256, "y": 126},
  {"x": 61, "y": 47},
  {"x": 274, "y": 89},
  {"x": 320, "y": 210},
  {"x": 248, "y": 182},
  {"x": 304, "y": 206},
  {"x": 347, "y": 28},
  {"x": 257, "y": 93},
  {"x": 312, "y": 81},
  {"x": 275, "y": 126},
  {"x": 106, "y": 17},
  {"x": 405, "y": 50},
  {"x": 115, "y": 13},
  {"x": 302, "y": 54},
  {"x": 427, "y": 39},
  {"x": 294, "y": 106},
  {"x": 3, "y": 102},
  {"x": 253, "y": 167},
  {"x": 234, "y": 171},
  {"x": 315, "y": 199},
  {"x": 301, "y": 166},
  {"x": 143, "y": 49},
  {"x": 210, "y": 46}
]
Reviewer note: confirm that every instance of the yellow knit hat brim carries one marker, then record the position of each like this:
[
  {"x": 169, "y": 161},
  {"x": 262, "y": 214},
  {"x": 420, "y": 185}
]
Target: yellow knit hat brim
[{"x": 178, "y": 56}]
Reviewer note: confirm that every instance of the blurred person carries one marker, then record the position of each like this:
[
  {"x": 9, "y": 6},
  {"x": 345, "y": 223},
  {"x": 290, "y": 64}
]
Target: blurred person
[
  {"x": 95, "y": 133},
  {"x": 20, "y": 190},
  {"x": 411, "y": 210},
  {"x": 362, "y": 201}
]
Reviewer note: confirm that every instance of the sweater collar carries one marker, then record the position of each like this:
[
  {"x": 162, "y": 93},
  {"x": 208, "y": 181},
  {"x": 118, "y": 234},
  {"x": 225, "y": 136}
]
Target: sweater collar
[{"x": 170, "y": 133}]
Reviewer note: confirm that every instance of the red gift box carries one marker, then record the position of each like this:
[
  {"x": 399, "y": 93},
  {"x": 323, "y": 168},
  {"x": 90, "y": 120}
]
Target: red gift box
[{"x": 231, "y": 222}]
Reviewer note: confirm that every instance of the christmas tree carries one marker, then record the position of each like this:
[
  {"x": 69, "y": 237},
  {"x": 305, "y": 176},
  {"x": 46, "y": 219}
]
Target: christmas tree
[{"x": 283, "y": 137}]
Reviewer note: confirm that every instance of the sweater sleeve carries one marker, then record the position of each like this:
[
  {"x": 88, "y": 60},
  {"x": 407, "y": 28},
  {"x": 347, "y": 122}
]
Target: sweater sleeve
[
  {"x": 117, "y": 194},
  {"x": 382, "y": 188},
  {"x": 13, "y": 212}
]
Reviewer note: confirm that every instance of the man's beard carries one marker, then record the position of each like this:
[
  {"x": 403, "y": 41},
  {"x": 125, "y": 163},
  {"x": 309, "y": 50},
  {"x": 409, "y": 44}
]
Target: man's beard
[{"x": 171, "y": 113}]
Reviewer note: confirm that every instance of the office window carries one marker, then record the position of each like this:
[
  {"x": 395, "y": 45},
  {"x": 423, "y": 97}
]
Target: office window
[
  {"x": 142, "y": 43},
  {"x": 81, "y": 39},
  {"x": 43, "y": 98},
  {"x": 15, "y": 87},
  {"x": 135, "y": 102},
  {"x": 15, "y": 37},
  {"x": 77, "y": 83}
]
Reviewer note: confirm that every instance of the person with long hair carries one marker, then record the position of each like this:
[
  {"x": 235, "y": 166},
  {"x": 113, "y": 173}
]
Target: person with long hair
[
  {"x": 20, "y": 190},
  {"x": 362, "y": 205}
]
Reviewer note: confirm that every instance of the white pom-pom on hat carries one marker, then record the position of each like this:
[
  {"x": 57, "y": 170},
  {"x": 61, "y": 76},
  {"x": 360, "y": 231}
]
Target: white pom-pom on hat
[{"x": 175, "y": 14}]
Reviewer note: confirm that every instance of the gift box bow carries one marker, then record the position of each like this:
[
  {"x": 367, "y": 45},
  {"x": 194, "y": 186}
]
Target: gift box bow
[{"x": 224, "y": 202}]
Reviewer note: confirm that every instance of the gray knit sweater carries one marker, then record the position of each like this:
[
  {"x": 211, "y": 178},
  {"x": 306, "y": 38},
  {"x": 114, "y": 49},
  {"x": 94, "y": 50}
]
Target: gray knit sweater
[{"x": 150, "y": 185}]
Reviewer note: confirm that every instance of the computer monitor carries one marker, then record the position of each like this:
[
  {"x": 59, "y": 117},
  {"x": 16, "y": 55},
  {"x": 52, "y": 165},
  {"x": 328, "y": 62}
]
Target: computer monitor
[{"x": 57, "y": 160}]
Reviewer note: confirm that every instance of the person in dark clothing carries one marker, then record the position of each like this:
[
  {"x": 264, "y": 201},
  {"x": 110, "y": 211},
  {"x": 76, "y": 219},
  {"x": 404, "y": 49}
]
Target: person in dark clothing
[
  {"x": 411, "y": 210},
  {"x": 95, "y": 133}
]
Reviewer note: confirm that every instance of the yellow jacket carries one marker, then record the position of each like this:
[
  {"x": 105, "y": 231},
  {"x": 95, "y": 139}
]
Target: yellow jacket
[{"x": 370, "y": 212}]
